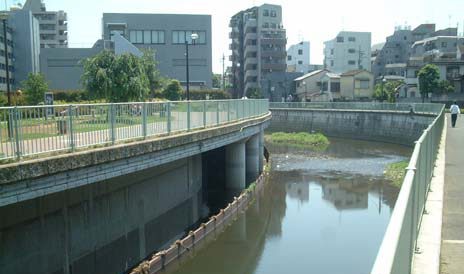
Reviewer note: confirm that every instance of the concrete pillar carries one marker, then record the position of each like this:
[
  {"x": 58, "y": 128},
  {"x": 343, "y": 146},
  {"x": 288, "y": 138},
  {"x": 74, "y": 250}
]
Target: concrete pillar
[
  {"x": 261, "y": 151},
  {"x": 252, "y": 159},
  {"x": 235, "y": 166}
]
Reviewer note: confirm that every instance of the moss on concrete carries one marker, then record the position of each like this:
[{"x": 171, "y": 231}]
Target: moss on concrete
[
  {"x": 315, "y": 141},
  {"x": 395, "y": 172}
]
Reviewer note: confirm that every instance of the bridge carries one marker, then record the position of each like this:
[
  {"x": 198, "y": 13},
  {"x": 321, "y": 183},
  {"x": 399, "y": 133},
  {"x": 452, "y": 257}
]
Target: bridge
[{"x": 91, "y": 179}]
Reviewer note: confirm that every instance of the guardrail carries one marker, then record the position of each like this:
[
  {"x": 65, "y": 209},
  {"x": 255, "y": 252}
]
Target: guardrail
[
  {"x": 33, "y": 130},
  {"x": 419, "y": 108},
  {"x": 399, "y": 243}
]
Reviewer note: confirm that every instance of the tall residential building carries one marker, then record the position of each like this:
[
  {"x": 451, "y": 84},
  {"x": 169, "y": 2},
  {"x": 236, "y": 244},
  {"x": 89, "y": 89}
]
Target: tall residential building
[
  {"x": 166, "y": 34},
  {"x": 298, "y": 57},
  {"x": 3, "y": 66},
  {"x": 53, "y": 24},
  {"x": 348, "y": 51},
  {"x": 258, "y": 47},
  {"x": 397, "y": 49}
]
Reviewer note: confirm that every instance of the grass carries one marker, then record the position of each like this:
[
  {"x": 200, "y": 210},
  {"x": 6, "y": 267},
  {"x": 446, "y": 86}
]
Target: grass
[
  {"x": 315, "y": 141},
  {"x": 395, "y": 172}
]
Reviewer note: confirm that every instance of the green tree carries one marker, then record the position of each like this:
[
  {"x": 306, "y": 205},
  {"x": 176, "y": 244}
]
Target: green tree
[
  {"x": 121, "y": 78},
  {"x": 34, "y": 88},
  {"x": 387, "y": 91},
  {"x": 444, "y": 86},
  {"x": 149, "y": 64},
  {"x": 428, "y": 79},
  {"x": 254, "y": 93},
  {"x": 172, "y": 91},
  {"x": 217, "y": 80}
]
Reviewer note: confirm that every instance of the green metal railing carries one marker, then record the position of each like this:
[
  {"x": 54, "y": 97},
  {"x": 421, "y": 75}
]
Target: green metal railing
[
  {"x": 32, "y": 130},
  {"x": 420, "y": 108},
  {"x": 399, "y": 243}
]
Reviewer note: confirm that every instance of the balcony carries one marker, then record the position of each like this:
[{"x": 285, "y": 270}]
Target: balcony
[
  {"x": 252, "y": 23},
  {"x": 274, "y": 41},
  {"x": 453, "y": 76},
  {"x": 251, "y": 36},
  {"x": 274, "y": 66},
  {"x": 233, "y": 35},
  {"x": 251, "y": 73},
  {"x": 274, "y": 53},
  {"x": 249, "y": 49},
  {"x": 250, "y": 61}
]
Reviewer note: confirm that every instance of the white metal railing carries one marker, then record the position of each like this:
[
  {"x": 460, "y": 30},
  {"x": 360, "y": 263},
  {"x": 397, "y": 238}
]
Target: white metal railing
[{"x": 33, "y": 130}]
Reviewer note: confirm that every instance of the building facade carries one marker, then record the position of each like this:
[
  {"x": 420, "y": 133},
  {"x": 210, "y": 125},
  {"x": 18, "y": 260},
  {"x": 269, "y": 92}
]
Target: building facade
[
  {"x": 166, "y": 35},
  {"x": 398, "y": 47},
  {"x": 258, "y": 45},
  {"x": 53, "y": 24},
  {"x": 298, "y": 57},
  {"x": 348, "y": 51},
  {"x": 4, "y": 56},
  {"x": 357, "y": 85}
]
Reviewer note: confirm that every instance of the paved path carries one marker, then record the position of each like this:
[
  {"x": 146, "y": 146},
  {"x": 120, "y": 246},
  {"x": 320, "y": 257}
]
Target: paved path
[{"x": 452, "y": 250}]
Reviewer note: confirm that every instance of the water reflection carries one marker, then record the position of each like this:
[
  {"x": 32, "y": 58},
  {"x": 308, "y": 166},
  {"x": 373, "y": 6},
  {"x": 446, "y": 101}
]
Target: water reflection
[{"x": 320, "y": 213}]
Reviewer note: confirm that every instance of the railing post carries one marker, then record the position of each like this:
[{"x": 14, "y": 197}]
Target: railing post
[
  {"x": 112, "y": 123},
  {"x": 168, "y": 110},
  {"x": 71, "y": 129},
  {"x": 228, "y": 110},
  {"x": 188, "y": 115},
  {"x": 217, "y": 113},
  {"x": 16, "y": 125},
  {"x": 204, "y": 114},
  {"x": 144, "y": 120}
]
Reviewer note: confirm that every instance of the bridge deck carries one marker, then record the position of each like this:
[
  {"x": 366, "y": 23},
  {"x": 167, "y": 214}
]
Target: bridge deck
[{"x": 452, "y": 250}]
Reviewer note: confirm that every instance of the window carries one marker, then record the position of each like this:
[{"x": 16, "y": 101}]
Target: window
[
  {"x": 266, "y": 25},
  {"x": 351, "y": 62},
  {"x": 444, "y": 44},
  {"x": 136, "y": 36},
  {"x": 266, "y": 13},
  {"x": 364, "y": 84},
  {"x": 331, "y": 51},
  {"x": 340, "y": 39},
  {"x": 331, "y": 63},
  {"x": 157, "y": 36},
  {"x": 273, "y": 13},
  {"x": 351, "y": 39},
  {"x": 405, "y": 38},
  {"x": 289, "y": 58},
  {"x": 351, "y": 51},
  {"x": 147, "y": 37},
  {"x": 300, "y": 52},
  {"x": 300, "y": 62},
  {"x": 180, "y": 36}
]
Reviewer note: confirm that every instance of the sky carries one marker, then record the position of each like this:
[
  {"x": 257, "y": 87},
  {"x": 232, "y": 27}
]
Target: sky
[{"x": 316, "y": 21}]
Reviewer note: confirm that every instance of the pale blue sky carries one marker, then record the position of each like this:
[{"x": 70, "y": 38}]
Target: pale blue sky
[{"x": 316, "y": 21}]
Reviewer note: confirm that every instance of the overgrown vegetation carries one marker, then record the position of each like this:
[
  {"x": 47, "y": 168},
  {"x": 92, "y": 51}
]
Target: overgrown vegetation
[
  {"x": 395, "y": 172},
  {"x": 315, "y": 141}
]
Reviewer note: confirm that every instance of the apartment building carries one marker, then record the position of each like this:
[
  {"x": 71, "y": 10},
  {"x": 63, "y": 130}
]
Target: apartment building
[
  {"x": 397, "y": 49},
  {"x": 348, "y": 51},
  {"x": 258, "y": 45},
  {"x": 298, "y": 57},
  {"x": 53, "y": 24},
  {"x": 167, "y": 34}
]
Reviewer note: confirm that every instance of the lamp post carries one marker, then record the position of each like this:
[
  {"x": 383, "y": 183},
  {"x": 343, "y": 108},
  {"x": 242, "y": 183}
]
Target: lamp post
[
  {"x": 194, "y": 37},
  {"x": 383, "y": 90}
]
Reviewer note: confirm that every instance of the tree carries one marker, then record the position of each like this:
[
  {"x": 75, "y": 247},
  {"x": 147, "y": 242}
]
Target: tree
[
  {"x": 149, "y": 64},
  {"x": 217, "y": 80},
  {"x": 428, "y": 79},
  {"x": 172, "y": 91},
  {"x": 387, "y": 91},
  {"x": 34, "y": 88},
  {"x": 444, "y": 86},
  {"x": 121, "y": 78},
  {"x": 254, "y": 93}
]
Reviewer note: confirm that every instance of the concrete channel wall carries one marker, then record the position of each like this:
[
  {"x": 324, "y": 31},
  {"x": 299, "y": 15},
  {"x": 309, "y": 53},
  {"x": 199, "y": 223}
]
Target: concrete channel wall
[{"x": 383, "y": 126}]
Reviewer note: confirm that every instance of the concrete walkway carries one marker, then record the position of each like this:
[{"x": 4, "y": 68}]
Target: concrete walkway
[{"x": 452, "y": 250}]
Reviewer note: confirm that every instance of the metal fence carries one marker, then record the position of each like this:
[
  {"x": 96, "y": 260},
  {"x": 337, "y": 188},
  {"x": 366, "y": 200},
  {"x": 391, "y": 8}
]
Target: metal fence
[
  {"x": 399, "y": 243},
  {"x": 420, "y": 108},
  {"x": 32, "y": 130}
]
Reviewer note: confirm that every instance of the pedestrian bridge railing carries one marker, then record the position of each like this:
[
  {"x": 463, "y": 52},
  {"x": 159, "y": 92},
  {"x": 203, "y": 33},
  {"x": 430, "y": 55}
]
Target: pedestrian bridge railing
[
  {"x": 375, "y": 106},
  {"x": 399, "y": 243},
  {"x": 35, "y": 130}
]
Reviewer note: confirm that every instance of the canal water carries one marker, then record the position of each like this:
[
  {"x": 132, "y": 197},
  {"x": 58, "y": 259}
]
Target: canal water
[{"x": 320, "y": 212}]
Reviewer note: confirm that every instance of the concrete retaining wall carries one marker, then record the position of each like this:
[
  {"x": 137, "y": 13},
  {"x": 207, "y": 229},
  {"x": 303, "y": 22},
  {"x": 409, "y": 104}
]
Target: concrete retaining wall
[
  {"x": 104, "y": 227},
  {"x": 383, "y": 126}
]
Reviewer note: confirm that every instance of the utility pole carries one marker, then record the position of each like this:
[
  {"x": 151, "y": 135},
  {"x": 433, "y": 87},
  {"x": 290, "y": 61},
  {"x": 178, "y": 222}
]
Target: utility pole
[{"x": 223, "y": 72}]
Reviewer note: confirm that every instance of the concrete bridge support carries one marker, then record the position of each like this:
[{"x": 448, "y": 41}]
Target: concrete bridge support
[
  {"x": 252, "y": 158},
  {"x": 235, "y": 166}
]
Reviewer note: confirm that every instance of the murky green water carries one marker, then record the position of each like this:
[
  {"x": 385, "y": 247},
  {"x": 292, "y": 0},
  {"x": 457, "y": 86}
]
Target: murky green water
[{"x": 322, "y": 213}]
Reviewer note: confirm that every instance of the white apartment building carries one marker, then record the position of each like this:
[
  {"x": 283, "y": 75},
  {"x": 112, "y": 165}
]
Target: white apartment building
[
  {"x": 298, "y": 57},
  {"x": 348, "y": 51}
]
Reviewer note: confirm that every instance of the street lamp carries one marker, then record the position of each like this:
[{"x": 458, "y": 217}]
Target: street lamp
[
  {"x": 194, "y": 37},
  {"x": 383, "y": 91}
]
